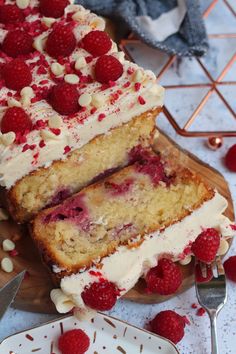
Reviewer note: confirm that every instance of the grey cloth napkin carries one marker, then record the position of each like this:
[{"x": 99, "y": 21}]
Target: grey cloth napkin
[{"x": 190, "y": 38}]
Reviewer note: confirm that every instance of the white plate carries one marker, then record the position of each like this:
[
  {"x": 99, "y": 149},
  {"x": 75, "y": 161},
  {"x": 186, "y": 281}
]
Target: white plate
[{"x": 107, "y": 335}]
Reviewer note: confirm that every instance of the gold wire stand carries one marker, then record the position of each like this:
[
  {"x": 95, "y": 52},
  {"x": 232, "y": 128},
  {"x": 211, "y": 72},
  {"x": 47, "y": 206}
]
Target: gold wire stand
[{"x": 213, "y": 85}]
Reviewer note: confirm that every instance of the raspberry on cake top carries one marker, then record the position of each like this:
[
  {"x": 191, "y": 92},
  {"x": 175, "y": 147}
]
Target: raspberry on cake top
[{"x": 63, "y": 82}]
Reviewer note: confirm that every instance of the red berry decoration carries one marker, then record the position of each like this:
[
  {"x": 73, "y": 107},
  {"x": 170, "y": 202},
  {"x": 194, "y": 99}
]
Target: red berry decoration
[
  {"x": 108, "y": 68},
  {"x": 206, "y": 245},
  {"x": 230, "y": 268},
  {"x": 97, "y": 43},
  {"x": 199, "y": 277},
  {"x": 165, "y": 278},
  {"x": 100, "y": 296},
  {"x": 17, "y": 43},
  {"x": 64, "y": 98},
  {"x": 61, "y": 42},
  {"x": 75, "y": 341},
  {"x": 15, "y": 120},
  {"x": 17, "y": 74},
  {"x": 10, "y": 14},
  {"x": 230, "y": 158},
  {"x": 53, "y": 8},
  {"x": 168, "y": 324}
]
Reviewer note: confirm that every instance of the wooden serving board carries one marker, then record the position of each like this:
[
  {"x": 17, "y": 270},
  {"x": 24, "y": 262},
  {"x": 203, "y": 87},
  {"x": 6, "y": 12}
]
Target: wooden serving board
[{"x": 35, "y": 289}]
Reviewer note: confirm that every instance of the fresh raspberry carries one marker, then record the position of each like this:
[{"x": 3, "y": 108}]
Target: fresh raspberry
[
  {"x": 199, "y": 277},
  {"x": 17, "y": 74},
  {"x": 206, "y": 245},
  {"x": 64, "y": 98},
  {"x": 61, "y": 42},
  {"x": 230, "y": 158},
  {"x": 165, "y": 278},
  {"x": 97, "y": 43},
  {"x": 169, "y": 324},
  {"x": 16, "y": 43},
  {"x": 10, "y": 14},
  {"x": 230, "y": 268},
  {"x": 75, "y": 341},
  {"x": 15, "y": 120},
  {"x": 108, "y": 68},
  {"x": 53, "y": 8},
  {"x": 100, "y": 296}
]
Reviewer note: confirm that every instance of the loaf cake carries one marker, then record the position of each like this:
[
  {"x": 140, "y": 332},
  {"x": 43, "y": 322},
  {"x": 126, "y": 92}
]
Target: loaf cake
[
  {"x": 112, "y": 232},
  {"x": 72, "y": 107}
]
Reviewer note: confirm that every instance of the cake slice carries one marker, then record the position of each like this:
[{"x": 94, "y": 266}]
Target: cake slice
[
  {"x": 75, "y": 110},
  {"x": 112, "y": 232}
]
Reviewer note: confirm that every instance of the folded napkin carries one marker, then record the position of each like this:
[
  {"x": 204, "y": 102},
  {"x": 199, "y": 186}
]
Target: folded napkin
[{"x": 174, "y": 26}]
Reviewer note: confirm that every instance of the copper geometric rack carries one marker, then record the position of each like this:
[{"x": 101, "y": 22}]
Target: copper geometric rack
[{"x": 213, "y": 85}]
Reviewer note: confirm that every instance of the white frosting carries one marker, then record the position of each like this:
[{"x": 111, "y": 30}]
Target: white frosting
[
  {"x": 85, "y": 125},
  {"x": 126, "y": 265}
]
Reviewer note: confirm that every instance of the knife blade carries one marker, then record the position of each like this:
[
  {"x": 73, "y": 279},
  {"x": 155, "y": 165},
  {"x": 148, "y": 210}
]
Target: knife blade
[{"x": 9, "y": 291}]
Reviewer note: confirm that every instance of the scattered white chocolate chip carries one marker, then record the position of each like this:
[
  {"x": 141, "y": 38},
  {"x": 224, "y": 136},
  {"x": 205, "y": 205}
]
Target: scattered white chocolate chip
[
  {"x": 98, "y": 100},
  {"x": 55, "y": 122},
  {"x": 114, "y": 47},
  {"x": 80, "y": 15},
  {"x": 57, "y": 69},
  {"x": 80, "y": 63},
  {"x": 8, "y": 138},
  {"x": 7, "y": 265},
  {"x": 27, "y": 92},
  {"x": 12, "y": 102},
  {"x": 62, "y": 302},
  {"x": 97, "y": 23},
  {"x": 39, "y": 42},
  {"x": 186, "y": 260},
  {"x": 22, "y": 4},
  {"x": 48, "y": 21},
  {"x": 3, "y": 215},
  {"x": 224, "y": 246},
  {"x": 48, "y": 135},
  {"x": 85, "y": 99},
  {"x": 71, "y": 79},
  {"x": 138, "y": 76},
  {"x": 8, "y": 245}
]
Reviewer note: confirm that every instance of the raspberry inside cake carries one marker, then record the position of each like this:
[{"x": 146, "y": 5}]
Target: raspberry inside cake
[{"x": 117, "y": 228}]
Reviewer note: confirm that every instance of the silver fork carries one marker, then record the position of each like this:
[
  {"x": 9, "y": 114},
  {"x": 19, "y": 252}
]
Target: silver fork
[{"x": 212, "y": 295}]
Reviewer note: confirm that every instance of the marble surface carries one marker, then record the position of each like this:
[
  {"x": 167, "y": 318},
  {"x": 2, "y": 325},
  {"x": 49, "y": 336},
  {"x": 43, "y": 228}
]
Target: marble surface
[{"x": 181, "y": 103}]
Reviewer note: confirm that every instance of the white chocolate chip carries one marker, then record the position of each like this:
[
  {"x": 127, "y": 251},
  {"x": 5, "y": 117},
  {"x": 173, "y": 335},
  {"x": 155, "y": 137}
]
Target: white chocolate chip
[
  {"x": 57, "y": 69},
  {"x": 8, "y": 245},
  {"x": 3, "y": 215},
  {"x": 39, "y": 42},
  {"x": 48, "y": 135},
  {"x": 138, "y": 76},
  {"x": 85, "y": 99},
  {"x": 80, "y": 63},
  {"x": 22, "y": 4},
  {"x": 48, "y": 21},
  {"x": 98, "y": 100},
  {"x": 71, "y": 79},
  {"x": 8, "y": 138},
  {"x": 186, "y": 260},
  {"x": 62, "y": 302},
  {"x": 12, "y": 102},
  {"x": 97, "y": 23},
  {"x": 114, "y": 47},
  {"x": 7, "y": 265},
  {"x": 26, "y": 102},
  {"x": 55, "y": 122},
  {"x": 27, "y": 92},
  {"x": 224, "y": 246},
  {"x": 80, "y": 15}
]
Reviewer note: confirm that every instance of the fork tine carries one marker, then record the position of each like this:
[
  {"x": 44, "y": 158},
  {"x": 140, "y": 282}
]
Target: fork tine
[{"x": 219, "y": 266}]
